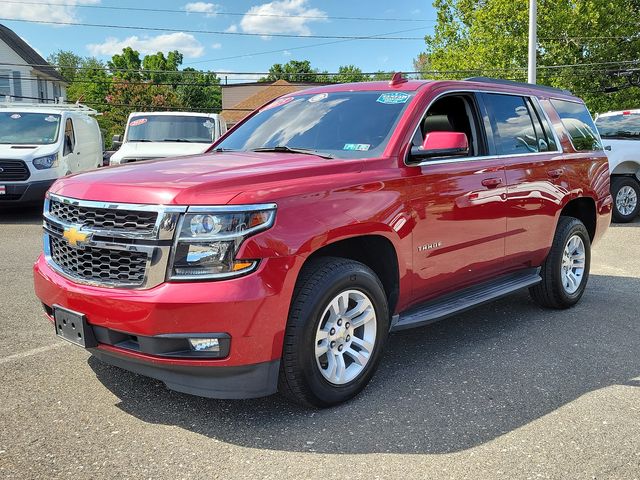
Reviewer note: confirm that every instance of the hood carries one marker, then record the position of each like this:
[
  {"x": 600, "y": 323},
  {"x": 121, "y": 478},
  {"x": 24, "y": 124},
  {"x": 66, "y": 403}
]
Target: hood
[
  {"x": 159, "y": 149},
  {"x": 208, "y": 179},
  {"x": 26, "y": 152}
]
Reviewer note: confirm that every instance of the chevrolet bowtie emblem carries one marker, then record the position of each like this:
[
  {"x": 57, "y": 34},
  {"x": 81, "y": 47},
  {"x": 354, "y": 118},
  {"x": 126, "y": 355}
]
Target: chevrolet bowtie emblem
[{"x": 76, "y": 238}]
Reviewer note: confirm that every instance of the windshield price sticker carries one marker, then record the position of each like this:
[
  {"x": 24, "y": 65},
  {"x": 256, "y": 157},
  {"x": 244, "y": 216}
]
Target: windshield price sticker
[
  {"x": 208, "y": 124},
  {"x": 137, "y": 122},
  {"x": 393, "y": 98},
  {"x": 278, "y": 103},
  {"x": 317, "y": 98},
  {"x": 16, "y": 116},
  {"x": 51, "y": 119},
  {"x": 360, "y": 147}
]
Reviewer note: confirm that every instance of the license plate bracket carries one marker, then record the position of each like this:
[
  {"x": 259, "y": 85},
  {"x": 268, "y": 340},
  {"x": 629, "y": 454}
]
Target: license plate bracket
[{"x": 73, "y": 327}]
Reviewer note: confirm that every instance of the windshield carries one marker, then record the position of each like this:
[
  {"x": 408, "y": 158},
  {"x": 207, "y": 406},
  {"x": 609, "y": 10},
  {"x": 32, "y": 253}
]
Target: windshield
[
  {"x": 339, "y": 124},
  {"x": 619, "y": 126},
  {"x": 21, "y": 128},
  {"x": 170, "y": 128}
]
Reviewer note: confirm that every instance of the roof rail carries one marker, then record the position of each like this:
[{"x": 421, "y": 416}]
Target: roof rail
[
  {"x": 74, "y": 107},
  {"x": 499, "y": 81}
]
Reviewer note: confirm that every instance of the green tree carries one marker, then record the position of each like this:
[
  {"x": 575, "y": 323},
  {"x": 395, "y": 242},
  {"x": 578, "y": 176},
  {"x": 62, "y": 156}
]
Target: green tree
[
  {"x": 200, "y": 91},
  {"x": 126, "y": 65},
  {"x": 66, "y": 62},
  {"x": 157, "y": 68},
  {"x": 489, "y": 37},
  {"x": 350, "y": 74},
  {"x": 292, "y": 71}
]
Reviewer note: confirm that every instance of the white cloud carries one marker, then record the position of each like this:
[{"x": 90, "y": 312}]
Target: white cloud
[
  {"x": 266, "y": 18},
  {"x": 237, "y": 77},
  {"x": 286, "y": 53},
  {"x": 53, "y": 10},
  {"x": 211, "y": 9},
  {"x": 183, "y": 42},
  {"x": 216, "y": 46},
  {"x": 232, "y": 28}
]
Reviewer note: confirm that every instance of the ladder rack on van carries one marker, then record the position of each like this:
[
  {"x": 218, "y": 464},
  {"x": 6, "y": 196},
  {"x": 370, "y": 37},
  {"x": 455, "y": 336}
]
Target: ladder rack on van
[{"x": 75, "y": 107}]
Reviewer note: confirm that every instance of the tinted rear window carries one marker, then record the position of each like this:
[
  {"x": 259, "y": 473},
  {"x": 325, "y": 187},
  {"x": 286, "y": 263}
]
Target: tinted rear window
[
  {"x": 620, "y": 126},
  {"x": 579, "y": 125}
]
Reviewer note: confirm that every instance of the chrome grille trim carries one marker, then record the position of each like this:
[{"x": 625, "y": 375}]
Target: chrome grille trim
[{"x": 154, "y": 244}]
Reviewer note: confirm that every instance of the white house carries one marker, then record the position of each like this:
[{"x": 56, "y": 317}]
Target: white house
[{"x": 24, "y": 74}]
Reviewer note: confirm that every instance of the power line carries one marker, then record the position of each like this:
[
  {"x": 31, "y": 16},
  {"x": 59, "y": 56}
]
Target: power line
[
  {"x": 216, "y": 13},
  {"x": 209, "y": 32}
]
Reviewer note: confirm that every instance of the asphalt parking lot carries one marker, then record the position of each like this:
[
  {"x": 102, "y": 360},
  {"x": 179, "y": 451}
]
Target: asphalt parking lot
[{"x": 505, "y": 391}]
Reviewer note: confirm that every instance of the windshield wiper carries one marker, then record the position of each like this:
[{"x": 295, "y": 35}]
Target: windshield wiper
[
  {"x": 184, "y": 140},
  {"x": 220, "y": 150},
  {"x": 141, "y": 140},
  {"x": 284, "y": 148}
]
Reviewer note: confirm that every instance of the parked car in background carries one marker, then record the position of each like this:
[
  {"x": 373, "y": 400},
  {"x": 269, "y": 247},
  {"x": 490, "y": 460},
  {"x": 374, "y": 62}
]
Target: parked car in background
[
  {"x": 150, "y": 135},
  {"x": 620, "y": 132},
  {"x": 40, "y": 143},
  {"x": 284, "y": 256}
]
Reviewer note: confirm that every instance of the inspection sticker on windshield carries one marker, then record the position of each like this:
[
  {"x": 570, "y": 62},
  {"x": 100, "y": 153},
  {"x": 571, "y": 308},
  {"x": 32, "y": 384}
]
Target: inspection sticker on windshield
[
  {"x": 393, "y": 98},
  {"x": 16, "y": 116},
  {"x": 318, "y": 97},
  {"x": 361, "y": 147},
  {"x": 50, "y": 118},
  {"x": 278, "y": 103},
  {"x": 137, "y": 122},
  {"x": 208, "y": 124}
]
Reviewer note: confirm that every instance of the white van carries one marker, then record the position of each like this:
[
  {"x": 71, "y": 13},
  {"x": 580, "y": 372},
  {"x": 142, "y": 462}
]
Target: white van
[
  {"x": 40, "y": 143},
  {"x": 152, "y": 135}
]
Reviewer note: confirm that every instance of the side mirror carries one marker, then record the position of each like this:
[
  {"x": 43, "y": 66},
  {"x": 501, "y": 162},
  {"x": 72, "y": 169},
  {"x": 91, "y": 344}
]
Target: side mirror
[
  {"x": 442, "y": 144},
  {"x": 116, "y": 142}
]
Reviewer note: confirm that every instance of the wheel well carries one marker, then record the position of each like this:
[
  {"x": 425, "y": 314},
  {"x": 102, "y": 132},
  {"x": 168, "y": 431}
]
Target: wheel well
[
  {"x": 628, "y": 168},
  {"x": 584, "y": 209},
  {"x": 377, "y": 253}
]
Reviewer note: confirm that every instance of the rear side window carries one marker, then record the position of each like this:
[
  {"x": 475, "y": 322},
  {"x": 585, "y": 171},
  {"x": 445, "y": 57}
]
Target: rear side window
[
  {"x": 624, "y": 125},
  {"x": 516, "y": 127},
  {"x": 579, "y": 125}
]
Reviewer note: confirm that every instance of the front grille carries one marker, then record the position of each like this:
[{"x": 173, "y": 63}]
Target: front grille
[
  {"x": 99, "y": 265},
  {"x": 105, "y": 219},
  {"x": 13, "y": 171}
]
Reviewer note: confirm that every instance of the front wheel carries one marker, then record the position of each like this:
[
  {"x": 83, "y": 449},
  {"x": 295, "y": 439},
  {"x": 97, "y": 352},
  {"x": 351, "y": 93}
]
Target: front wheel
[
  {"x": 566, "y": 269},
  {"x": 338, "y": 324},
  {"x": 626, "y": 199}
]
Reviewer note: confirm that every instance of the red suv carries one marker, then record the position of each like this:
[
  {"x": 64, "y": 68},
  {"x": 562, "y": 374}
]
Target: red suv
[{"x": 283, "y": 257}]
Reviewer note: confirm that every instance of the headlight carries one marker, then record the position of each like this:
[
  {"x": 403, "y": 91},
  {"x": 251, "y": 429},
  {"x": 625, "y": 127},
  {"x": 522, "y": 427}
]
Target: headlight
[
  {"x": 42, "y": 163},
  {"x": 209, "y": 239}
]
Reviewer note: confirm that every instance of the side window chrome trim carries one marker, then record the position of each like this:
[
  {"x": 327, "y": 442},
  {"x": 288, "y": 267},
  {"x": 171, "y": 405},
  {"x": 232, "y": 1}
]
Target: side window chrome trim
[{"x": 486, "y": 157}]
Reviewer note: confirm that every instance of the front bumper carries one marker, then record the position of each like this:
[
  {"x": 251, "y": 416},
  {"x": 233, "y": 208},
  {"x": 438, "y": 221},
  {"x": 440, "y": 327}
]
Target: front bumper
[
  {"x": 28, "y": 192},
  {"x": 252, "y": 310}
]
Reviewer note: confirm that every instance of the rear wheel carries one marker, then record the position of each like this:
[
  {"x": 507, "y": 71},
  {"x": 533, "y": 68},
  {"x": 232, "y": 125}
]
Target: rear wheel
[
  {"x": 626, "y": 199},
  {"x": 338, "y": 324},
  {"x": 566, "y": 270}
]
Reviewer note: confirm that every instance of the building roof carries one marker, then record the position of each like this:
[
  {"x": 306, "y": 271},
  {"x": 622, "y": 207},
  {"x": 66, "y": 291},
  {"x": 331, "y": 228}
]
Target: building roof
[
  {"x": 28, "y": 54},
  {"x": 267, "y": 93}
]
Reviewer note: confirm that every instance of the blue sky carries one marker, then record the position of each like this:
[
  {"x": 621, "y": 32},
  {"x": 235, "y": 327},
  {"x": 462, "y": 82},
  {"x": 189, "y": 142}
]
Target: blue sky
[{"x": 210, "y": 52}]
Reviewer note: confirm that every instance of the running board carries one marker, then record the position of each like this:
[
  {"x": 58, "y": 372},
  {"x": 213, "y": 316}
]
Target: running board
[{"x": 441, "y": 308}]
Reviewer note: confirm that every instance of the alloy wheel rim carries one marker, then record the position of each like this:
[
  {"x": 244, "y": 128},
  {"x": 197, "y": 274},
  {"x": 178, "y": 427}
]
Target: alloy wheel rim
[
  {"x": 345, "y": 337},
  {"x": 573, "y": 264},
  {"x": 626, "y": 200}
]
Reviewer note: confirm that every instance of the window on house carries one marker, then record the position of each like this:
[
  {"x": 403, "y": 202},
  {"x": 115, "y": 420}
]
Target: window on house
[{"x": 5, "y": 83}]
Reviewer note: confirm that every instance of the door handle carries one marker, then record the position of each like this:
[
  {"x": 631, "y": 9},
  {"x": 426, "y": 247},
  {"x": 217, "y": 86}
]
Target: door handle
[
  {"x": 556, "y": 173},
  {"x": 608, "y": 148},
  {"x": 492, "y": 182}
]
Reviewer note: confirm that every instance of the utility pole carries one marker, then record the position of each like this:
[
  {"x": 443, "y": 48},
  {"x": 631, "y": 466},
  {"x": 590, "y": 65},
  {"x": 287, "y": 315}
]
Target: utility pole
[{"x": 533, "y": 40}]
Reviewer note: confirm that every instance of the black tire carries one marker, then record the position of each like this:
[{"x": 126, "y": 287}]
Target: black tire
[
  {"x": 320, "y": 281},
  {"x": 550, "y": 292},
  {"x": 617, "y": 183}
]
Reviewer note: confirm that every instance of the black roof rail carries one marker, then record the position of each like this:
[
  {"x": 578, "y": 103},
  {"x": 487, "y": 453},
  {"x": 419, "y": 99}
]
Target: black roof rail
[{"x": 499, "y": 81}]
